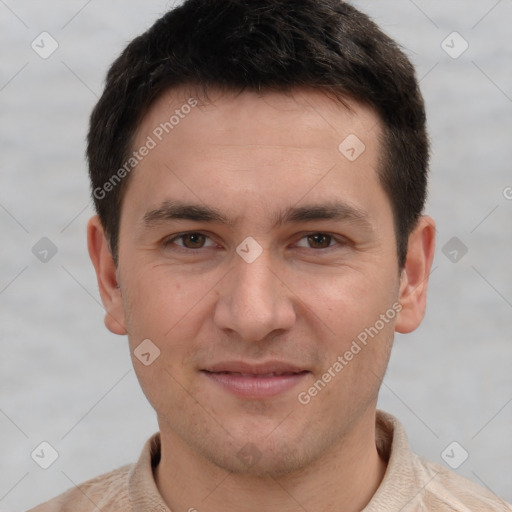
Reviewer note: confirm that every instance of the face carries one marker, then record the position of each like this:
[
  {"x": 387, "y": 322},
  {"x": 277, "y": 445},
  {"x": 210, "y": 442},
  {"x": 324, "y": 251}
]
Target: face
[{"x": 259, "y": 258}]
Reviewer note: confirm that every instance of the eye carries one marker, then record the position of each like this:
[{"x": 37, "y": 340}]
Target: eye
[
  {"x": 192, "y": 240},
  {"x": 317, "y": 241}
]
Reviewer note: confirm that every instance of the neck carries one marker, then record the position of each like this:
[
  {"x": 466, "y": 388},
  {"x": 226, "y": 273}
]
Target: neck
[{"x": 345, "y": 477}]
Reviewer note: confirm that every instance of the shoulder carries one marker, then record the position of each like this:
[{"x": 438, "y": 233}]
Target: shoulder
[
  {"x": 413, "y": 484},
  {"x": 106, "y": 492},
  {"x": 446, "y": 490}
]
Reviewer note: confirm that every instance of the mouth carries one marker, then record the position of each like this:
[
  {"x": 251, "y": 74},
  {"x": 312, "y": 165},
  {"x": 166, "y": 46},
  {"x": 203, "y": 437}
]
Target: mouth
[{"x": 255, "y": 381}]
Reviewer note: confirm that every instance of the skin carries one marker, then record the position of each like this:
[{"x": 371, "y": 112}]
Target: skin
[{"x": 302, "y": 301}]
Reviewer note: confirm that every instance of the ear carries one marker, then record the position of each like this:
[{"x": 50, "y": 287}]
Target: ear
[
  {"x": 101, "y": 257},
  {"x": 415, "y": 274}
]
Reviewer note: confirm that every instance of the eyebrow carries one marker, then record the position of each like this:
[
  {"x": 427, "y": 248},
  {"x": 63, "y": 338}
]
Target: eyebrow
[
  {"x": 174, "y": 210},
  {"x": 337, "y": 211}
]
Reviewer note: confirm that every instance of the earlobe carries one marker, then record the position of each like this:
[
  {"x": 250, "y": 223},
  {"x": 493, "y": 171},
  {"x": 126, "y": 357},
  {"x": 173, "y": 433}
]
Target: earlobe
[
  {"x": 101, "y": 257},
  {"x": 415, "y": 274}
]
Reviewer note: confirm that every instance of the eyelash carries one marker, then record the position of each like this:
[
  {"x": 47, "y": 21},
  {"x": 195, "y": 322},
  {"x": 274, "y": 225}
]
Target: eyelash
[{"x": 335, "y": 241}]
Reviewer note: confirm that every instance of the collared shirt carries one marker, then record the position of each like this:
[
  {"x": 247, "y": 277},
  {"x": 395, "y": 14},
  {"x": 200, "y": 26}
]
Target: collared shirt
[{"x": 410, "y": 484}]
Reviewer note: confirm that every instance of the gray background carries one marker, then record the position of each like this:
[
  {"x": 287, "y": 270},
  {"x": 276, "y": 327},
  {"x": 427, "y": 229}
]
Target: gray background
[{"x": 66, "y": 380}]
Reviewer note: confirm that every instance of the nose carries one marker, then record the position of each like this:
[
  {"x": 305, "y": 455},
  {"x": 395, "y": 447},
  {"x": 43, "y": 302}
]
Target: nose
[{"x": 254, "y": 302}]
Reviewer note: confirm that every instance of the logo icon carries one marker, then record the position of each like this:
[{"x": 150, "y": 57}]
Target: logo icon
[
  {"x": 351, "y": 147},
  {"x": 249, "y": 249},
  {"x": 44, "y": 250},
  {"x": 249, "y": 454},
  {"x": 454, "y": 249},
  {"x": 44, "y": 45},
  {"x": 454, "y": 45},
  {"x": 44, "y": 455},
  {"x": 146, "y": 352},
  {"x": 454, "y": 455}
]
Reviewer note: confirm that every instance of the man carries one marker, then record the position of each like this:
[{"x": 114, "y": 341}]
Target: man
[{"x": 259, "y": 170}]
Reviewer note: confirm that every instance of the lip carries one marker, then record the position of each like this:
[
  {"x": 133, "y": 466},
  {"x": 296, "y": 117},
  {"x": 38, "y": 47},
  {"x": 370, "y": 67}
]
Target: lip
[{"x": 255, "y": 380}]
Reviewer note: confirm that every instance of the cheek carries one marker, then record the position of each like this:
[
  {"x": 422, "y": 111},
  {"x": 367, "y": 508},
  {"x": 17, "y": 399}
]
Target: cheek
[
  {"x": 356, "y": 318},
  {"x": 350, "y": 301},
  {"x": 165, "y": 308},
  {"x": 157, "y": 301}
]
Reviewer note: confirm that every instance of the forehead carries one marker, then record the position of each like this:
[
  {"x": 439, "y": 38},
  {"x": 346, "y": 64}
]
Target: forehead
[
  {"x": 271, "y": 147},
  {"x": 244, "y": 117}
]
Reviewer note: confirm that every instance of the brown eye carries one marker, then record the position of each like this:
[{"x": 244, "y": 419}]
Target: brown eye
[
  {"x": 319, "y": 240},
  {"x": 193, "y": 240}
]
